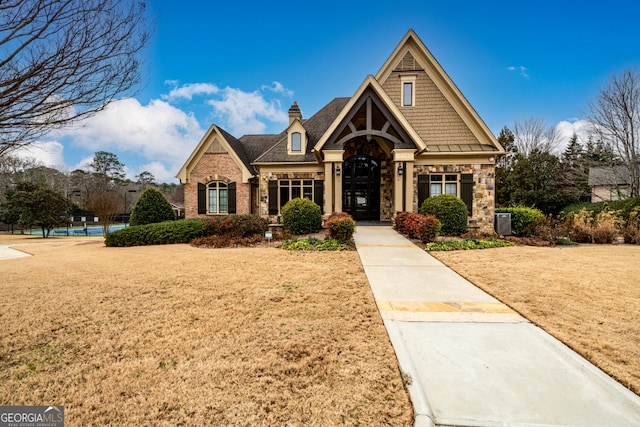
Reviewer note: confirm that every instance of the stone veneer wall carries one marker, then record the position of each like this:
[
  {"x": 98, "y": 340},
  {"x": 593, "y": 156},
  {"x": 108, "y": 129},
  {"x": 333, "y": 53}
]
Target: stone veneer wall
[
  {"x": 215, "y": 167},
  {"x": 264, "y": 187},
  {"x": 483, "y": 206}
]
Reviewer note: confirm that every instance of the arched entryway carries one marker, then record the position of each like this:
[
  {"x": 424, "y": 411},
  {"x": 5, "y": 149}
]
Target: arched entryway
[{"x": 361, "y": 188}]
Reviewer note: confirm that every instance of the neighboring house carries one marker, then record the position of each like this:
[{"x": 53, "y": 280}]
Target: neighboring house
[
  {"x": 609, "y": 183},
  {"x": 406, "y": 134}
]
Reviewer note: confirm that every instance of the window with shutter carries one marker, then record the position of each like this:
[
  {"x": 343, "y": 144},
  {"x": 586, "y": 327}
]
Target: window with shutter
[{"x": 466, "y": 190}]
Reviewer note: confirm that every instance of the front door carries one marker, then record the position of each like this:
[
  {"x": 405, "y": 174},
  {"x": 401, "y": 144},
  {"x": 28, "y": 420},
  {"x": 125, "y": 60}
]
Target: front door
[{"x": 361, "y": 188}]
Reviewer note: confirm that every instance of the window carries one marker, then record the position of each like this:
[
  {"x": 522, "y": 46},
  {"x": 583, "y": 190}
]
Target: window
[
  {"x": 295, "y": 188},
  {"x": 447, "y": 186},
  {"x": 408, "y": 83},
  {"x": 218, "y": 198},
  {"x": 296, "y": 141},
  {"x": 407, "y": 94}
]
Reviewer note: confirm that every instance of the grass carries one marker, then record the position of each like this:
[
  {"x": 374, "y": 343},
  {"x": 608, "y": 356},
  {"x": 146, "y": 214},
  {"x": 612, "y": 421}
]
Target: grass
[{"x": 176, "y": 335}]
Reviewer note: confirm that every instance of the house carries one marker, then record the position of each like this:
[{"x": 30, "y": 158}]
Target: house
[
  {"x": 406, "y": 134},
  {"x": 609, "y": 183}
]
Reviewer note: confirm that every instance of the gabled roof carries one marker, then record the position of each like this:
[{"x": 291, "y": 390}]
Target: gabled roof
[
  {"x": 611, "y": 175},
  {"x": 412, "y": 44},
  {"x": 230, "y": 144},
  {"x": 371, "y": 83},
  {"x": 315, "y": 126}
]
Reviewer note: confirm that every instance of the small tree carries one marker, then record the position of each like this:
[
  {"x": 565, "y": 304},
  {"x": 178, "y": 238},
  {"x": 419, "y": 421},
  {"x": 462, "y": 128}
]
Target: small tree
[
  {"x": 106, "y": 205},
  {"x": 39, "y": 206},
  {"x": 151, "y": 207}
]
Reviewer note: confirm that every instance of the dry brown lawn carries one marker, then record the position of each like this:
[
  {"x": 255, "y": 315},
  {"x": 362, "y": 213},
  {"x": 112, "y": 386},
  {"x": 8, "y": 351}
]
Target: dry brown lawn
[
  {"x": 587, "y": 296},
  {"x": 175, "y": 335}
]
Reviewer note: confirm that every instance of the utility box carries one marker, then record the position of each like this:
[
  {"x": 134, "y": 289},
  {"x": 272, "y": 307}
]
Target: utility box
[{"x": 502, "y": 223}]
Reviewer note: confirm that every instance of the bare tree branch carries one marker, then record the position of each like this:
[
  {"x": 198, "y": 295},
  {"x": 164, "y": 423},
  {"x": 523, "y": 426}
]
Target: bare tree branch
[
  {"x": 615, "y": 119},
  {"x": 533, "y": 134},
  {"x": 61, "y": 60}
]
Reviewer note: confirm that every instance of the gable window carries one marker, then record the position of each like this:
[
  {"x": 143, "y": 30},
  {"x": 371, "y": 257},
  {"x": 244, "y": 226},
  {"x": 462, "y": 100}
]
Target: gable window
[
  {"x": 296, "y": 141},
  {"x": 218, "y": 198},
  {"x": 408, "y": 90},
  {"x": 407, "y": 94}
]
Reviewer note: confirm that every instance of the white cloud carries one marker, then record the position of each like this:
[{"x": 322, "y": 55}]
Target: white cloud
[
  {"x": 566, "y": 129},
  {"x": 523, "y": 71},
  {"x": 157, "y": 132},
  {"x": 276, "y": 87},
  {"x": 246, "y": 112},
  {"x": 188, "y": 91},
  {"x": 48, "y": 153}
]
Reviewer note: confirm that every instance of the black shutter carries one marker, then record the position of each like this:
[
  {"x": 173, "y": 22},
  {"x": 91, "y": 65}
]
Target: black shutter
[
  {"x": 466, "y": 190},
  {"x": 231, "y": 193},
  {"x": 202, "y": 198},
  {"x": 423, "y": 189},
  {"x": 273, "y": 197},
  {"x": 318, "y": 193}
]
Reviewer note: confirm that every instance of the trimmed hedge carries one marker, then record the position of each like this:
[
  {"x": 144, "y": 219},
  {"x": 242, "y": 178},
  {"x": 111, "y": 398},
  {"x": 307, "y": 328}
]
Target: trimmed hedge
[
  {"x": 450, "y": 210},
  {"x": 301, "y": 216},
  {"x": 160, "y": 233},
  {"x": 235, "y": 225},
  {"x": 522, "y": 219}
]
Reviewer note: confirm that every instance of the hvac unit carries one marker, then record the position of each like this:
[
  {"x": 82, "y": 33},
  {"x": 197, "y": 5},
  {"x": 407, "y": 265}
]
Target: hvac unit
[{"x": 502, "y": 223}]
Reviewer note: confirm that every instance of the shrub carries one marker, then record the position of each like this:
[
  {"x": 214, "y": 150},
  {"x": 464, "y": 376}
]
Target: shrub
[
  {"x": 235, "y": 225},
  {"x": 301, "y": 216},
  {"x": 451, "y": 211},
  {"x": 412, "y": 224},
  {"x": 523, "y": 219},
  {"x": 312, "y": 244},
  {"x": 151, "y": 207},
  {"x": 585, "y": 227},
  {"x": 625, "y": 207},
  {"x": 160, "y": 233},
  {"x": 430, "y": 229},
  {"x": 466, "y": 244},
  {"x": 341, "y": 226},
  {"x": 631, "y": 230},
  {"x": 400, "y": 218}
]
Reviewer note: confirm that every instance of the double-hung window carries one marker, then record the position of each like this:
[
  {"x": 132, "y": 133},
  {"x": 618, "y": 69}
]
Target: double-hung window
[
  {"x": 295, "y": 188},
  {"x": 218, "y": 198},
  {"x": 443, "y": 184},
  {"x": 296, "y": 142}
]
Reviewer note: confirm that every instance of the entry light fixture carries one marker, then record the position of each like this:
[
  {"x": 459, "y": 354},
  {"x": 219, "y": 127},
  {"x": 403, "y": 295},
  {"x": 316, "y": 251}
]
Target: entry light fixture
[
  {"x": 337, "y": 170},
  {"x": 400, "y": 170}
]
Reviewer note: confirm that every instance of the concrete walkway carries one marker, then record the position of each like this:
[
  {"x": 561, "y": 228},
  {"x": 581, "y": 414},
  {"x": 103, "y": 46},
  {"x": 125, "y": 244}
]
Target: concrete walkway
[
  {"x": 471, "y": 360},
  {"x": 6, "y": 252}
]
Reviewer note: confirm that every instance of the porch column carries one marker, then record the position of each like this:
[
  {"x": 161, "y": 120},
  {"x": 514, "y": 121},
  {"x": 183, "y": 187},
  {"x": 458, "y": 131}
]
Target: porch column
[
  {"x": 328, "y": 188},
  {"x": 403, "y": 179},
  {"x": 332, "y": 164}
]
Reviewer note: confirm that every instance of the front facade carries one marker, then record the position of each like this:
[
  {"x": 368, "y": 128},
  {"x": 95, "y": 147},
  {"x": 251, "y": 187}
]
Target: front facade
[{"x": 406, "y": 134}]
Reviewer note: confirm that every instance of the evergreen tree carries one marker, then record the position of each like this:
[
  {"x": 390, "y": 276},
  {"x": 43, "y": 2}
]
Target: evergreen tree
[
  {"x": 574, "y": 174},
  {"x": 151, "y": 207}
]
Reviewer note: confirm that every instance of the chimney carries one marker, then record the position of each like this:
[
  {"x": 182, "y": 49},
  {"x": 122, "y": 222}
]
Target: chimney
[{"x": 294, "y": 112}]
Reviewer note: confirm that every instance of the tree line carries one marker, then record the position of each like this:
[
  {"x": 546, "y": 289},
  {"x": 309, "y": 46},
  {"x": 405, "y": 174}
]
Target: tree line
[{"x": 32, "y": 195}]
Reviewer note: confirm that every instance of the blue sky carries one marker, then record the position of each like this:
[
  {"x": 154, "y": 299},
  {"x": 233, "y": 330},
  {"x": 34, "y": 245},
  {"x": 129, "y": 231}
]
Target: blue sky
[{"x": 241, "y": 65}]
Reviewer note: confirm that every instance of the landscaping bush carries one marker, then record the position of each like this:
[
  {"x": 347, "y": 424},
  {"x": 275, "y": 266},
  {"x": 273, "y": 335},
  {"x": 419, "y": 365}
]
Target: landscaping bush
[
  {"x": 301, "y": 216},
  {"x": 631, "y": 231},
  {"x": 341, "y": 226},
  {"x": 313, "y": 244},
  {"x": 151, "y": 207},
  {"x": 412, "y": 224},
  {"x": 160, "y": 233},
  {"x": 400, "y": 218},
  {"x": 467, "y": 244},
  {"x": 624, "y": 207},
  {"x": 236, "y": 225},
  {"x": 585, "y": 227},
  {"x": 451, "y": 211},
  {"x": 523, "y": 219},
  {"x": 430, "y": 229}
]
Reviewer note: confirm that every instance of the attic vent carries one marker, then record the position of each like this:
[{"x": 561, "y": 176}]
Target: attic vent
[
  {"x": 216, "y": 147},
  {"x": 408, "y": 63}
]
